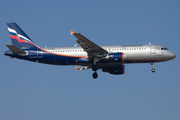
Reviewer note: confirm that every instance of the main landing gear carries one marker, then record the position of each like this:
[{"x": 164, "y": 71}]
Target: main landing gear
[
  {"x": 153, "y": 69},
  {"x": 94, "y": 68},
  {"x": 95, "y": 75}
]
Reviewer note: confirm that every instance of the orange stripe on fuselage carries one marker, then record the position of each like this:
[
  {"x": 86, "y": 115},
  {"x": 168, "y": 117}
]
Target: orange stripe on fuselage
[
  {"x": 63, "y": 54},
  {"x": 122, "y": 57}
]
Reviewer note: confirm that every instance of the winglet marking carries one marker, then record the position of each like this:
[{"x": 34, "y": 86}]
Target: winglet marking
[
  {"x": 76, "y": 68},
  {"x": 71, "y": 32}
]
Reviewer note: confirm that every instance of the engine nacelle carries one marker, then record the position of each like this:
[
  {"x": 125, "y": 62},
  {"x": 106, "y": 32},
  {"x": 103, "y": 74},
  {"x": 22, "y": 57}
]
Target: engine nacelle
[
  {"x": 111, "y": 57},
  {"x": 82, "y": 60},
  {"x": 115, "y": 57},
  {"x": 116, "y": 70}
]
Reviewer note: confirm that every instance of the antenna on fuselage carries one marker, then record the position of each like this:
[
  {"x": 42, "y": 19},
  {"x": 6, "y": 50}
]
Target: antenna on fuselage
[{"x": 75, "y": 45}]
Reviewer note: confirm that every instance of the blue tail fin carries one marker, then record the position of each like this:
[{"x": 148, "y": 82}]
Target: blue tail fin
[{"x": 19, "y": 38}]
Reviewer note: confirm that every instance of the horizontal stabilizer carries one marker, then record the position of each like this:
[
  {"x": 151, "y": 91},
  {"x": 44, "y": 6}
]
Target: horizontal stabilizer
[{"x": 15, "y": 50}]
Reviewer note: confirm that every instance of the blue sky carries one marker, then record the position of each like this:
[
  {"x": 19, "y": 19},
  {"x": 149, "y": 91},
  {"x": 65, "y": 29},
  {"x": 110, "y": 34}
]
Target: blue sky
[{"x": 41, "y": 92}]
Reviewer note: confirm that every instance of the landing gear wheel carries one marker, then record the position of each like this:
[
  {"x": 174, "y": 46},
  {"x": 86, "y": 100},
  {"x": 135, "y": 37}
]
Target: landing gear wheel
[
  {"x": 95, "y": 75},
  {"x": 153, "y": 70},
  {"x": 152, "y": 66}
]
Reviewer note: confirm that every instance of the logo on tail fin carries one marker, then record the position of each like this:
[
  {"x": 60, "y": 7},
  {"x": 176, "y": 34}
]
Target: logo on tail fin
[{"x": 19, "y": 38}]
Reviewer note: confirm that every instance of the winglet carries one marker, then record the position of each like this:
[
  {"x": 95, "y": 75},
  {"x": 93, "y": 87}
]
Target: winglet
[
  {"x": 71, "y": 32},
  {"x": 76, "y": 68}
]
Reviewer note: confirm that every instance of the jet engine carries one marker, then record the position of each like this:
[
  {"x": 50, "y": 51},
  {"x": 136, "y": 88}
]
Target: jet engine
[
  {"x": 115, "y": 57},
  {"x": 116, "y": 70},
  {"x": 82, "y": 60}
]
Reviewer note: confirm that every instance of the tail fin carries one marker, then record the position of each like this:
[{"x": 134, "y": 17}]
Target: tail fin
[{"x": 19, "y": 38}]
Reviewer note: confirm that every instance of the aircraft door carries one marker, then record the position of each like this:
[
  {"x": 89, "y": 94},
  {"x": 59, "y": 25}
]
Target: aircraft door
[
  {"x": 39, "y": 53},
  {"x": 152, "y": 49}
]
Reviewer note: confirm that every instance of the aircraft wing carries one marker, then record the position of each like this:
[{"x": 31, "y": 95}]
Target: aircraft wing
[{"x": 91, "y": 48}]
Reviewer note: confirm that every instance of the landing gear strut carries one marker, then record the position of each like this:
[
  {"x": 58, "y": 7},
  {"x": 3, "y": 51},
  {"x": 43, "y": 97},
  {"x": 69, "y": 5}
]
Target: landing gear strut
[
  {"x": 153, "y": 69},
  {"x": 94, "y": 68}
]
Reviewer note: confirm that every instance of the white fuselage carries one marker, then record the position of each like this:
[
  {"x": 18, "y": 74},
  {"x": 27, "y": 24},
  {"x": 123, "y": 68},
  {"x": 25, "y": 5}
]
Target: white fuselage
[{"x": 133, "y": 53}]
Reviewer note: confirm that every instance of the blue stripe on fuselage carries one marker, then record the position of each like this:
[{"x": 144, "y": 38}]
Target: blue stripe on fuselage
[{"x": 48, "y": 58}]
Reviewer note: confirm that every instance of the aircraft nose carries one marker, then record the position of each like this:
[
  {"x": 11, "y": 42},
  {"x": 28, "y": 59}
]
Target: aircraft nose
[{"x": 172, "y": 55}]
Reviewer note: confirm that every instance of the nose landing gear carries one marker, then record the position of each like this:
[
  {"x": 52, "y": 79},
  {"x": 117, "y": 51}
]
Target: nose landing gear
[{"x": 153, "y": 69}]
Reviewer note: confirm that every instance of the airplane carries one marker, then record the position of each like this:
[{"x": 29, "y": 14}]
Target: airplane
[{"x": 110, "y": 59}]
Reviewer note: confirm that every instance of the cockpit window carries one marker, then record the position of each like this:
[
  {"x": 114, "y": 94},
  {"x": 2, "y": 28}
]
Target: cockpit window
[{"x": 163, "y": 48}]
